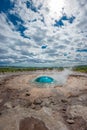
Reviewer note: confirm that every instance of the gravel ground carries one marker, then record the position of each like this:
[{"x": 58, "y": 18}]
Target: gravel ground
[{"x": 25, "y": 105}]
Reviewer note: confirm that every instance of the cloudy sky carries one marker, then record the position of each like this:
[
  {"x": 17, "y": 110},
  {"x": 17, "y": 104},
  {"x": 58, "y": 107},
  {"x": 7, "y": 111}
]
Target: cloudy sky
[{"x": 43, "y": 32}]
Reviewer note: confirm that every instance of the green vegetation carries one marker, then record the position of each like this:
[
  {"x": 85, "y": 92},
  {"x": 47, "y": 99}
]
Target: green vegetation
[
  {"x": 15, "y": 69},
  {"x": 21, "y": 69},
  {"x": 80, "y": 69}
]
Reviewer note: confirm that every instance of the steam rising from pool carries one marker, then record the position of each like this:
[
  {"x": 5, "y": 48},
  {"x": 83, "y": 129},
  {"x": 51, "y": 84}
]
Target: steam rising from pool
[
  {"x": 62, "y": 76},
  {"x": 52, "y": 78}
]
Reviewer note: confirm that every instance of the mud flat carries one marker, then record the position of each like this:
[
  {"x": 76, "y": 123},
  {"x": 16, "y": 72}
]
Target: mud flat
[{"x": 24, "y": 106}]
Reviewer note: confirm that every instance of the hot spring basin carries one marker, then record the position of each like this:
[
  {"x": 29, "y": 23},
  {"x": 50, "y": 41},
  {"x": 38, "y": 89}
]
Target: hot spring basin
[{"x": 44, "y": 79}]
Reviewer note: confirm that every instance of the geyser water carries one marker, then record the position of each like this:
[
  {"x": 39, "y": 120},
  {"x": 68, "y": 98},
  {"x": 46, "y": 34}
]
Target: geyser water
[
  {"x": 44, "y": 79},
  {"x": 52, "y": 78}
]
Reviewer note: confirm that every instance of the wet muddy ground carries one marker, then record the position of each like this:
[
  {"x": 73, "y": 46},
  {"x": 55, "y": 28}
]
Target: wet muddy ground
[{"x": 25, "y": 106}]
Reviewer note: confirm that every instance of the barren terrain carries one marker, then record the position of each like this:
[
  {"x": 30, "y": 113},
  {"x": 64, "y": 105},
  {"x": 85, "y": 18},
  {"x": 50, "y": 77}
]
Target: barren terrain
[{"x": 25, "y": 106}]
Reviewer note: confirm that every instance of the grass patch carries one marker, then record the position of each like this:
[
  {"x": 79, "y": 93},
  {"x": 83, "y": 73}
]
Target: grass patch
[
  {"x": 21, "y": 69},
  {"x": 14, "y": 69},
  {"x": 80, "y": 69}
]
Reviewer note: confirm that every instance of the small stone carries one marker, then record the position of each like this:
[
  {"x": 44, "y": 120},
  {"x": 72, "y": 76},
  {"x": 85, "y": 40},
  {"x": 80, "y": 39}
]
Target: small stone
[
  {"x": 33, "y": 106},
  {"x": 64, "y": 100},
  {"x": 27, "y": 94},
  {"x": 37, "y": 101},
  {"x": 8, "y": 105},
  {"x": 38, "y": 107},
  {"x": 70, "y": 121},
  {"x": 45, "y": 103},
  {"x": 28, "y": 104},
  {"x": 14, "y": 105},
  {"x": 69, "y": 95},
  {"x": 53, "y": 102},
  {"x": 64, "y": 109},
  {"x": 42, "y": 104}
]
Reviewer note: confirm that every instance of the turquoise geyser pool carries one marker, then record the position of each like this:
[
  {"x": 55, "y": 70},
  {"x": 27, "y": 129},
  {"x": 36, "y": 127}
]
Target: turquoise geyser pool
[{"x": 44, "y": 79}]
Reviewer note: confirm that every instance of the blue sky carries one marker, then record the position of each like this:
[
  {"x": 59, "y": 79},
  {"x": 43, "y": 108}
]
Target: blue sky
[{"x": 43, "y": 32}]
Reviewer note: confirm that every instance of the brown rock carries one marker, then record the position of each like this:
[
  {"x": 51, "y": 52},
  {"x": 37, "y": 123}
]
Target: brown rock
[
  {"x": 31, "y": 123},
  {"x": 64, "y": 100},
  {"x": 70, "y": 121},
  {"x": 27, "y": 94},
  {"x": 37, "y": 101},
  {"x": 33, "y": 106},
  {"x": 28, "y": 104}
]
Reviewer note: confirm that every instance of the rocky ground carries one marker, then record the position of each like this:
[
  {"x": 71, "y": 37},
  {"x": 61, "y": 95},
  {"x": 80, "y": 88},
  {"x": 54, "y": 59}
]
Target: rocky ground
[{"x": 25, "y": 106}]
